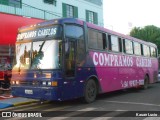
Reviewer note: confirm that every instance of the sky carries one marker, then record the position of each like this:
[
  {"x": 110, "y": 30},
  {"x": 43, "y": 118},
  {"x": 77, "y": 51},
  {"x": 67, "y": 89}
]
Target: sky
[{"x": 123, "y": 15}]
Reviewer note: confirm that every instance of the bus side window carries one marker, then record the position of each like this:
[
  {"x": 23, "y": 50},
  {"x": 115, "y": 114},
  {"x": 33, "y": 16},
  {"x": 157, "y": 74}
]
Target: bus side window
[
  {"x": 92, "y": 39},
  {"x": 109, "y": 42},
  {"x": 99, "y": 41},
  {"x": 153, "y": 52},
  {"x": 142, "y": 52},
  {"x": 156, "y": 52},
  {"x": 137, "y": 48},
  {"x": 95, "y": 39},
  {"x": 114, "y": 43},
  {"x": 128, "y": 46},
  {"x": 104, "y": 41},
  {"x": 133, "y": 47},
  {"x": 124, "y": 47},
  {"x": 120, "y": 44},
  {"x": 146, "y": 51}
]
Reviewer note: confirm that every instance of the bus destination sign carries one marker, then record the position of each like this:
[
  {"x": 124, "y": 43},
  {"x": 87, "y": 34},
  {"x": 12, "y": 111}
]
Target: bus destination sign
[{"x": 38, "y": 33}]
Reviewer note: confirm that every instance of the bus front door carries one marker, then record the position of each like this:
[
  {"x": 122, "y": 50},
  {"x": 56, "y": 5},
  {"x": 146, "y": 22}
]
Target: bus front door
[{"x": 70, "y": 68}]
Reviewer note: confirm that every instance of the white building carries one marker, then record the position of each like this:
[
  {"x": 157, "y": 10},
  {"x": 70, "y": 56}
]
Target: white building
[{"x": 87, "y": 10}]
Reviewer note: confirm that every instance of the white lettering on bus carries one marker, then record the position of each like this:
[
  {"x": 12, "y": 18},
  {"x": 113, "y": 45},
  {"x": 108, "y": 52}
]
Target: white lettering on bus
[
  {"x": 95, "y": 57},
  {"x": 45, "y": 32},
  {"x": 37, "y": 33},
  {"x": 143, "y": 62},
  {"x": 132, "y": 83},
  {"x": 27, "y": 35},
  {"x": 103, "y": 59}
]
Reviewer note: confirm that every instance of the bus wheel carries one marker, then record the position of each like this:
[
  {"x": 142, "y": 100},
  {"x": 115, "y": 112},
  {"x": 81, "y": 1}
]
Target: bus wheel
[
  {"x": 146, "y": 81},
  {"x": 90, "y": 91}
]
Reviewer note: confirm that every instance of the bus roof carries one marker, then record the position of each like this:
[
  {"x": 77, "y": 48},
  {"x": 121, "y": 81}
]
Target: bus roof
[
  {"x": 81, "y": 22},
  {"x": 53, "y": 21}
]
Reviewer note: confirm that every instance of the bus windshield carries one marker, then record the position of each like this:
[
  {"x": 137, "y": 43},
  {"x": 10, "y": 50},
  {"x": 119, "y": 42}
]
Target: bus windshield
[
  {"x": 46, "y": 54},
  {"x": 39, "y": 55},
  {"x": 23, "y": 55},
  {"x": 39, "y": 48}
]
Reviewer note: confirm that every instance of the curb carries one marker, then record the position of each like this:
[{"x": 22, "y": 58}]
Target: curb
[
  {"x": 5, "y": 105},
  {"x": 24, "y": 103},
  {"x": 15, "y": 102},
  {"x": 29, "y": 102},
  {"x": 18, "y": 102}
]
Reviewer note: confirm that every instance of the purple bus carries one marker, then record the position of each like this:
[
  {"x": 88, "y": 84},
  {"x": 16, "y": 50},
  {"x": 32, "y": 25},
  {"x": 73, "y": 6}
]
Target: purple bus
[{"x": 68, "y": 58}]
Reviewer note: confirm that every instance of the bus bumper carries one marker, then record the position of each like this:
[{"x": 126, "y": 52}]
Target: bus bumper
[{"x": 41, "y": 93}]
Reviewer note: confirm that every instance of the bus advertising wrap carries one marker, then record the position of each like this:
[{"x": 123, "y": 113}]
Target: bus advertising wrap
[{"x": 104, "y": 59}]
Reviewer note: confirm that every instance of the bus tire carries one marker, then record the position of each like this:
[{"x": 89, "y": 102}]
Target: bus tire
[
  {"x": 90, "y": 91},
  {"x": 146, "y": 82}
]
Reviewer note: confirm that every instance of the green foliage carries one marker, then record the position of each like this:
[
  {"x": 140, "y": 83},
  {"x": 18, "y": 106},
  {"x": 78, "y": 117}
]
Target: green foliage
[{"x": 149, "y": 33}]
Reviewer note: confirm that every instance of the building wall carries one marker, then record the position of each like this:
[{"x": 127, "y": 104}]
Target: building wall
[
  {"x": 39, "y": 9},
  {"x": 97, "y": 2},
  {"x": 9, "y": 27}
]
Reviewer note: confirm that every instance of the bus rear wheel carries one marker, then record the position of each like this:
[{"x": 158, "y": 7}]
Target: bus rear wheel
[
  {"x": 90, "y": 91},
  {"x": 146, "y": 82}
]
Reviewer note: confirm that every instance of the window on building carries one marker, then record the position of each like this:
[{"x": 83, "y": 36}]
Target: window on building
[
  {"x": 128, "y": 46},
  {"x": 50, "y": 2},
  {"x": 137, "y": 48},
  {"x": 153, "y": 52},
  {"x": 91, "y": 17},
  {"x": 69, "y": 11},
  {"x": 14, "y": 3},
  {"x": 96, "y": 39},
  {"x": 146, "y": 51}
]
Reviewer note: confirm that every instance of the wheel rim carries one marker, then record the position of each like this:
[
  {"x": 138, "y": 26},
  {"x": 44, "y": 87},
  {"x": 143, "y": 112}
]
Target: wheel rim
[{"x": 91, "y": 90}]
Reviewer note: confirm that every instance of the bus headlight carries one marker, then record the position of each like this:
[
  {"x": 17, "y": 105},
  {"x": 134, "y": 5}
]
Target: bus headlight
[
  {"x": 49, "y": 83},
  {"x": 35, "y": 75},
  {"x": 17, "y": 82},
  {"x": 43, "y": 83},
  {"x": 54, "y": 83},
  {"x": 48, "y": 75},
  {"x": 13, "y": 82}
]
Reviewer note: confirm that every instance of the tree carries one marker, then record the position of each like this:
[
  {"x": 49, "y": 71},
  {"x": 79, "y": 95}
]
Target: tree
[{"x": 149, "y": 33}]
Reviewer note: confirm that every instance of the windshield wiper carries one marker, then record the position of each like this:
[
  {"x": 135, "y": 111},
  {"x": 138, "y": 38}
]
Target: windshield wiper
[{"x": 39, "y": 56}]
